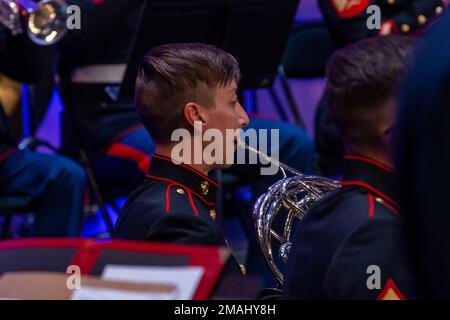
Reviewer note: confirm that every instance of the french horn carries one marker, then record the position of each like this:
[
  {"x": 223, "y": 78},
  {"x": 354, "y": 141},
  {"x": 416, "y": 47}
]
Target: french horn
[
  {"x": 295, "y": 194},
  {"x": 44, "y": 22}
]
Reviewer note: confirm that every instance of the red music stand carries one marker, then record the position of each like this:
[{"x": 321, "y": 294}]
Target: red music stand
[{"x": 92, "y": 255}]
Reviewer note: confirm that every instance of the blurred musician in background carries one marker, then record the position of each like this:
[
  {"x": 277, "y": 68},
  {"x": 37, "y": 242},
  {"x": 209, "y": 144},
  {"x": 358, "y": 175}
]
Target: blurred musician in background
[
  {"x": 357, "y": 231},
  {"x": 422, "y": 159},
  {"x": 347, "y": 22},
  {"x": 52, "y": 186},
  {"x": 347, "y": 19}
]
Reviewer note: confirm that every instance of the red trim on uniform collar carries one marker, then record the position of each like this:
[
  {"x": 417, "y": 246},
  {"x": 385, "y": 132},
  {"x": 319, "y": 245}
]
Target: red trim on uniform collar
[
  {"x": 181, "y": 185},
  {"x": 161, "y": 157},
  {"x": 370, "y": 188},
  {"x": 371, "y": 161}
]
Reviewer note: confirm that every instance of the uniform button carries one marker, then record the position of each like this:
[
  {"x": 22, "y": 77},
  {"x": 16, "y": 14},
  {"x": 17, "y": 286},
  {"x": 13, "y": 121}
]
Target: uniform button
[
  {"x": 212, "y": 213},
  {"x": 405, "y": 28},
  {"x": 379, "y": 200},
  {"x": 421, "y": 19},
  {"x": 439, "y": 10},
  {"x": 181, "y": 191},
  {"x": 204, "y": 186},
  {"x": 243, "y": 270}
]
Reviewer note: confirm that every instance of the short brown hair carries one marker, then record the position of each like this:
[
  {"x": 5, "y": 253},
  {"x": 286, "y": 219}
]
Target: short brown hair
[
  {"x": 172, "y": 75},
  {"x": 361, "y": 78}
]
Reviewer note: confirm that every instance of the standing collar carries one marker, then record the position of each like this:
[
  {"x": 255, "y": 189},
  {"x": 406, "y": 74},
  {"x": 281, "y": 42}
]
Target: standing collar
[
  {"x": 370, "y": 174},
  {"x": 162, "y": 168}
]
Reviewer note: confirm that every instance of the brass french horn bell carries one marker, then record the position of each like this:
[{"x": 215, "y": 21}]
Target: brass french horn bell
[
  {"x": 295, "y": 194},
  {"x": 44, "y": 22}
]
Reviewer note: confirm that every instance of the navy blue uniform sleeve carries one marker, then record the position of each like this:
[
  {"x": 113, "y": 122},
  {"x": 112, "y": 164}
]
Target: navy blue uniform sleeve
[
  {"x": 185, "y": 228},
  {"x": 372, "y": 263},
  {"x": 347, "y": 19},
  {"x": 423, "y": 157},
  {"x": 345, "y": 28}
]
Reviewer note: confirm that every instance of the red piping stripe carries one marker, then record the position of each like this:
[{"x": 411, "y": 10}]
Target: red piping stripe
[
  {"x": 371, "y": 205},
  {"x": 181, "y": 185},
  {"x": 168, "y": 196},
  {"x": 371, "y": 161},
  {"x": 392, "y": 208},
  {"x": 192, "y": 203},
  {"x": 370, "y": 188},
  {"x": 124, "y": 151},
  {"x": 158, "y": 156}
]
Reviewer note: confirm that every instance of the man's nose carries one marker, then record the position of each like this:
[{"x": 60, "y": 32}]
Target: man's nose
[{"x": 243, "y": 117}]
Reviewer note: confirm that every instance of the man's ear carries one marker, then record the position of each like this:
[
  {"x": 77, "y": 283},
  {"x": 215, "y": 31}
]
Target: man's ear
[{"x": 194, "y": 112}]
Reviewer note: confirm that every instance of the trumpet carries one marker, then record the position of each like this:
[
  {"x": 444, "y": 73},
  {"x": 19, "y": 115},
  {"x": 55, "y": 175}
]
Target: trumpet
[
  {"x": 295, "y": 194},
  {"x": 45, "y": 21}
]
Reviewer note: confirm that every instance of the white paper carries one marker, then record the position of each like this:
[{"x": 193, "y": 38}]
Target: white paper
[
  {"x": 185, "y": 279},
  {"x": 90, "y": 293}
]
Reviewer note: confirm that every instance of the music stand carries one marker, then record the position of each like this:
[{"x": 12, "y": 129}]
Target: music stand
[
  {"x": 55, "y": 255},
  {"x": 254, "y": 31}
]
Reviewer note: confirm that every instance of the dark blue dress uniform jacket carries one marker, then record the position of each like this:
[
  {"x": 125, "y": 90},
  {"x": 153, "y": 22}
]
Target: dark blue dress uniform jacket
[
  {"x": 174, "y": 204},
  {"x": 350, "y": 230},
  {"x": 347, "y": 19},
  {"x": 423, "y": 158},
  {"x": 347, "y": 23}
]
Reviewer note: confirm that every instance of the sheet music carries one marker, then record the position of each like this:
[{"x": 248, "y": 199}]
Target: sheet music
[
  {"x": 186, "y": 279},
  {"x": 90, "y": 293}
]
